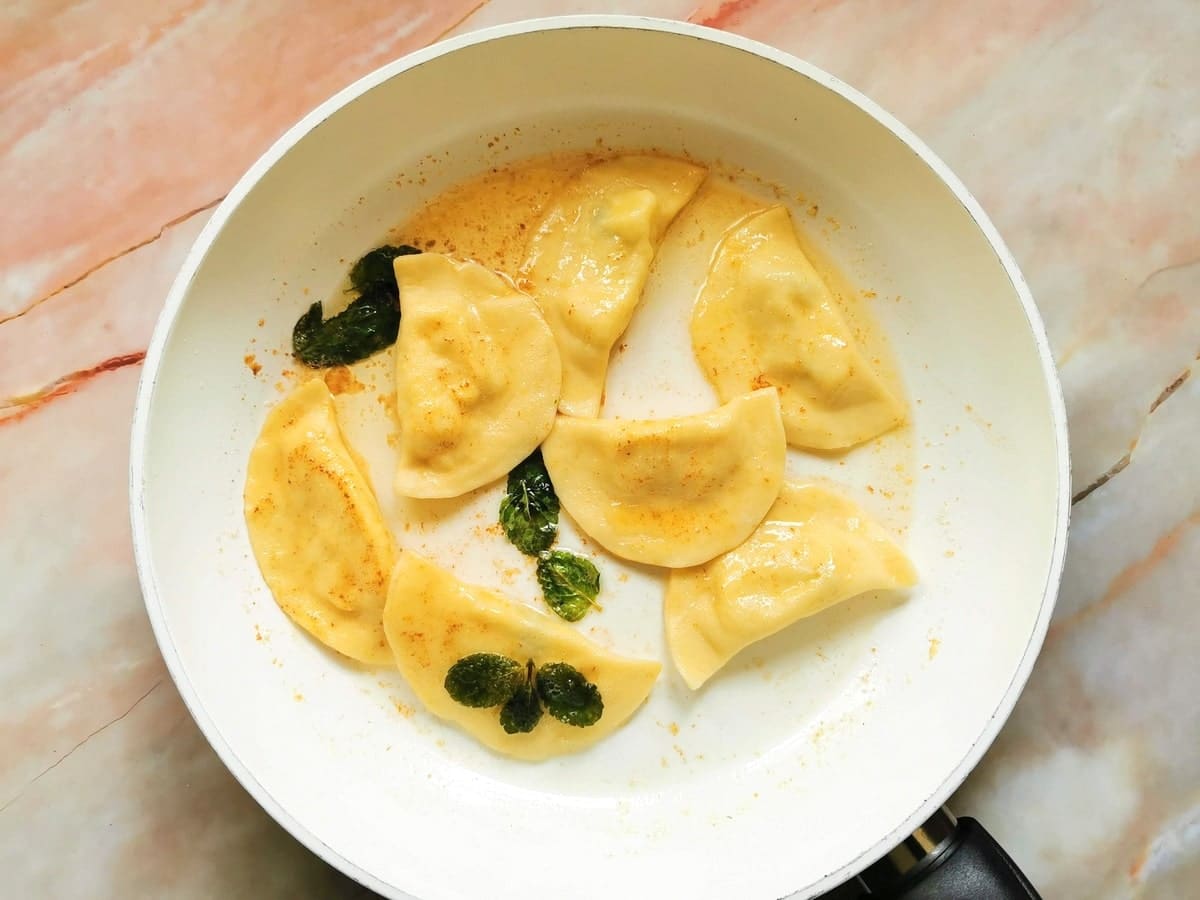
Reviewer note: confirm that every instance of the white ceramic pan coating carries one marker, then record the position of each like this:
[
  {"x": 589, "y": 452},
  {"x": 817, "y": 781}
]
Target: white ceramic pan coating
[{"x": 814, "y": 753}]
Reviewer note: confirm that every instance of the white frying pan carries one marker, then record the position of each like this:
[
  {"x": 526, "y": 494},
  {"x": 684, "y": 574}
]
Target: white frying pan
[{"x": 816, "y": 752}]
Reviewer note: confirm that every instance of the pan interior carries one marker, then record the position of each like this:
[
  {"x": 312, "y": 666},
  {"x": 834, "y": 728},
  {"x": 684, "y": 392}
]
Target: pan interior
[{"x": 810, "y": 749}]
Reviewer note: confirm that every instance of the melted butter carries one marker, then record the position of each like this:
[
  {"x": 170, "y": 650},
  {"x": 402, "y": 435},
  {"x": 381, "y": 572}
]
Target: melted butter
[
  {"x": 468, "y": 412},
  {"x": 671, "y": 492},
  {"x": 815, "y": 549},
  {"x": 716, "y": 206},
  {"x": 865, "y": 329},
  {"x": 316, "y": 528},
  {"x": 488, "y": 218},
  {"x": 588, "y": 260},
  {"x": 766, "y": 317}
]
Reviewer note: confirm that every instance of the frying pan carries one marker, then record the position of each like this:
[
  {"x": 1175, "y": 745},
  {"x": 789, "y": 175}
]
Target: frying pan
[{"x": 814, "y": 754}]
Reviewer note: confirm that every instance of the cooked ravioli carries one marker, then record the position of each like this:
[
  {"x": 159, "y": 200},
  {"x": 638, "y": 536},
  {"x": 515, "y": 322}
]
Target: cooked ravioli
[
  {"x": 587, "y": 261},
  {"x": 433, "y": 620},
  {"x": 671, "y": 492},
  {"x": 765, "y": 317},
  {"x": 477, "y": 376},
  {"x": 316, "y": 529},
  {"x": 814, "y": 549}
]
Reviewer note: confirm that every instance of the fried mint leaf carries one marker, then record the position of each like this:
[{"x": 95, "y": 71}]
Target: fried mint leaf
[
  {"x": 529, "y": 510},
  {"x": 484, "y": 679},
  {"x": 569, "y": 583},
  {"x": 568, "y": 696},
  {"x": 523, "y": 710},
  {"x": 369, "y": 324},
  {"x": 375, "y": 268},
  {"x": 306, "y": 332}
]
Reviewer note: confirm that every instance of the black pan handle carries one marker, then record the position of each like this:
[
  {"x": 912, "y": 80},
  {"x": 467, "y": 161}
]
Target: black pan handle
[{"x": 948, "y": 859}]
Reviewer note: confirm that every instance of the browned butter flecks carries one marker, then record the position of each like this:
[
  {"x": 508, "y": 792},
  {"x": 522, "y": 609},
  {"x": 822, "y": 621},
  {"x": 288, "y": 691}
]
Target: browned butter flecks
[{"x": 527, "y": 279}]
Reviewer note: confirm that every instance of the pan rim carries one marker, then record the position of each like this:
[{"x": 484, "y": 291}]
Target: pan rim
[{"x": 196, "y": 256}]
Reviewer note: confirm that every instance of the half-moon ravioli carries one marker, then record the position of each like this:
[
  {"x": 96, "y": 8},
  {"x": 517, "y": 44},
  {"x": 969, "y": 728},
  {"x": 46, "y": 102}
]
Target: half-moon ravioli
[
  {"x": 316, "y": 529},
  {"x": 815, "y": 549},
  {"x": 765, "y": 316},
  {"x": 671, "y": 492},
  {"x": 433, "y": 620},
  {"x": 588, "y": 260},
  {"x": 477, "y": 376}
]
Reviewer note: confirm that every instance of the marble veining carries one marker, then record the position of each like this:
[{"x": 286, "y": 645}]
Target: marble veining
[{"x": 1073, "y": 121}]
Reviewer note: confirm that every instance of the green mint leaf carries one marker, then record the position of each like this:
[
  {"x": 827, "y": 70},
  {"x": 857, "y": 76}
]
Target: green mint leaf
[
  {"x": 484, "y": 679},
  {"x": 375, "y": 268},
  {"x": 369, "y": 324},
  {"x": 529, "y": 510},
  {"x": 523, "y": 710},
  {"x": 568, "y": 696},
  {"x": 570, "y": 583},
  {"x": 306, "y": 331}
]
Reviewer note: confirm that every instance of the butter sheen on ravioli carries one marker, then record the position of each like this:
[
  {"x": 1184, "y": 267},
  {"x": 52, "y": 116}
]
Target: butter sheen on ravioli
[
  {"x": 477, "y": 376},
  {"x": 815, "y": 549},
  {"x": 588, "y": 260},
  {"x": 316, "y": 529},
  {"x": 766, "y": 317},
  {"x": 671, "y": 492},
  {"x": 433, "y": 620}
]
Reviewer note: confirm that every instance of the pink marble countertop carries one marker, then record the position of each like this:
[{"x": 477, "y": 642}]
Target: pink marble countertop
[{"x": 1075, "y": 122}]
